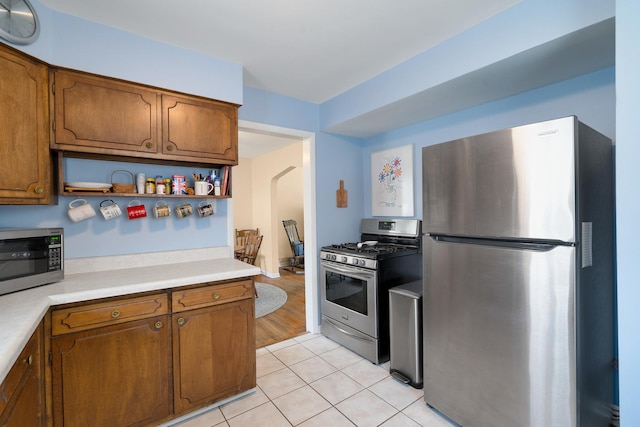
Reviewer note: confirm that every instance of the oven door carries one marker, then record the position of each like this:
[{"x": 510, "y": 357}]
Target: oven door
[{"x": 349, "y": 296}]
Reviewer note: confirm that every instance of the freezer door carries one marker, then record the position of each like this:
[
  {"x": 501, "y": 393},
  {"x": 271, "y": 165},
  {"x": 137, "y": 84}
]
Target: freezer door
[
  {"x": 514, "y": 183},
  {"x": 499, "y": 338}
]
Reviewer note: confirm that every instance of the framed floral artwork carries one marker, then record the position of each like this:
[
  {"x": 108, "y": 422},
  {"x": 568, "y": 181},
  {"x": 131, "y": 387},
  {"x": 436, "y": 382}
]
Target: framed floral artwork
[{"x": 392, "y": 182}]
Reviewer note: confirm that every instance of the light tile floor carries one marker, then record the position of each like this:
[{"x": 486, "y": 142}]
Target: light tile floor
[{"x": 312, "y": 381}]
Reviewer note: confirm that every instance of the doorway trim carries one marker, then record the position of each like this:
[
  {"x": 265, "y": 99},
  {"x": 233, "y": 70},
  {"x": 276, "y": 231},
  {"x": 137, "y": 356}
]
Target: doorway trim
[{"x": 311, "y": 292}]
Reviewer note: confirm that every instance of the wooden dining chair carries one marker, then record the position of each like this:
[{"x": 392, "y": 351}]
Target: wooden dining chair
[
  {"x": 242, "y": 236},
  {"x": 251, "y": 249}
]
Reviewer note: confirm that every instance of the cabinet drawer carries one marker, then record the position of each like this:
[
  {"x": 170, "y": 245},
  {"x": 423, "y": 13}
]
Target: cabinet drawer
[
  {"x": 96, "y": 315},
  {"x": 205, "y": 296}
]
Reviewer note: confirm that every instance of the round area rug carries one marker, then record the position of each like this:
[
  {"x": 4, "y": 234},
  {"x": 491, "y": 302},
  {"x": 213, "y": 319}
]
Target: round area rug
[{"x": 270, "y": 298}]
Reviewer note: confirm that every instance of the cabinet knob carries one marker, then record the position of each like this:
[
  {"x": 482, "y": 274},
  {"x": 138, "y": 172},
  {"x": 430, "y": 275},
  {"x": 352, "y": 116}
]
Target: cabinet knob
[
  {"x": 39, "y": 190},
  {"x": 158, "y": 325},
  {"x": 169, "y": 147},
  {"x": 181, "y": 321},
  {"x": 216, "y": 296},
  {"x": 29, "y": 360},
  {"x": 149, "y": 145},
  {"x": 115, "y": 314}
]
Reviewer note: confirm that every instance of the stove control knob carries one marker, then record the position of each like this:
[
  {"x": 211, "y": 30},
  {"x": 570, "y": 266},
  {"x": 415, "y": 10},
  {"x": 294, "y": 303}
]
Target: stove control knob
[
  {"x": 362, "y": 262},
  {"x": 355, "y": 261},
  {"x": 343, "y": 259}
]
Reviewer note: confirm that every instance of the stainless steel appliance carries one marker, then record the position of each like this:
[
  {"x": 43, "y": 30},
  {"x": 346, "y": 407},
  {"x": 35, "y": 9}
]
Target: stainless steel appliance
[
  {"x": 405, "y": 330},
  {"x": 30, "y": 257},
  {"x": 518, "y": 277},
  {"x": 355, "y": 279}
]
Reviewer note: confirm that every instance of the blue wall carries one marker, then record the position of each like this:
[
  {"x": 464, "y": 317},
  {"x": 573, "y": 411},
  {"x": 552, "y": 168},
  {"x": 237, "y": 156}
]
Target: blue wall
[
  {"x": 337, "y": 158},
  {"x": 628, "y": 205},
  {"x": 98, "y": 237},
  {"x": 590, "y": 97},
  {"x": 70, "y": 42}
]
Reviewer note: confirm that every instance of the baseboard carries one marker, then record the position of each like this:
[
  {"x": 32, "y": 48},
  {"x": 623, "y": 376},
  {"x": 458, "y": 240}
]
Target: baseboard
[{"x": 270, "y": 275}]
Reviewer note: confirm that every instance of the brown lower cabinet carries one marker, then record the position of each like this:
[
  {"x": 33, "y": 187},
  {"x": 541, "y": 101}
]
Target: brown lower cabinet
[
  {"x": 22, "y": 391},
  {"x": 112, "y": 376},
  {"x": 212, "y": 359},
  {"x": 145, "y": 359}
]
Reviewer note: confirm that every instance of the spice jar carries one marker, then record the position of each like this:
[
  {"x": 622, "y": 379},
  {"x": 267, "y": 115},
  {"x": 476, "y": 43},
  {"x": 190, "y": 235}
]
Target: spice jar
[
  {"x": 167, "y": 186},
  {"x": 150, "y": 187}
]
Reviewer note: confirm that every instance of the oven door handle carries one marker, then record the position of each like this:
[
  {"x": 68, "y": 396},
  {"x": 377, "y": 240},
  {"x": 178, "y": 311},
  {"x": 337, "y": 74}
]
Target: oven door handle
[
  {"x": 351, "y": 271},
  {"x": 351, "y": 334}
]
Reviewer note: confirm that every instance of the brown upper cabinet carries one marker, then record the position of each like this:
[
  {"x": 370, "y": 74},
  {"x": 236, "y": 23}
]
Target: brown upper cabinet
[
  {"x": 25, "y": 162},
  {"x": 104, "y": 116},
  {"x": 199, "y": 129},
  {"x": 98, "y": 115}
]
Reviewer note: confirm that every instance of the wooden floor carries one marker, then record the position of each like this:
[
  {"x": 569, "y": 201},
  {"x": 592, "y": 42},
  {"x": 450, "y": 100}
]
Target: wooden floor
[{"x": 289, "y": 320}]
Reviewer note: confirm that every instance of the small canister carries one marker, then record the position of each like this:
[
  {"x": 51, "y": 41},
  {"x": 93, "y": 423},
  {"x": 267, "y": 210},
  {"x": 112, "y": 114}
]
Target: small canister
[
  {"x": 150, "y": 187},
  {"x": 167, "y": 186},
  {"x": 178, "y": 184},
  {"x": 160, "y": 188}
]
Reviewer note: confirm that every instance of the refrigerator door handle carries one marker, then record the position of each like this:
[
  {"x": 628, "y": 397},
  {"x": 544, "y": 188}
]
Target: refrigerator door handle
[{"x": 511, "y": 244}]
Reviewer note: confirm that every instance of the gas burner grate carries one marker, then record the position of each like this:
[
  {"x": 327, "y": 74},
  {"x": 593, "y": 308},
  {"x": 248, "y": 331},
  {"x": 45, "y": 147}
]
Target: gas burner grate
[{"x": 378, "y": 248}]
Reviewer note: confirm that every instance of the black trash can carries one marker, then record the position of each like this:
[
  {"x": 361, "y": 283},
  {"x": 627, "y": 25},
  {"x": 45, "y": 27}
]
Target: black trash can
[{"x": 405, "y": 330}]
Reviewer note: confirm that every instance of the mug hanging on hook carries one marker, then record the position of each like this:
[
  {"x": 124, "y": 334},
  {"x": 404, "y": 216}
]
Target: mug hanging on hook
[
  {"x": 161, "y": 209},
  {"x": 111, "y": 210},
  {"x": 80, "y": 212},
  {"x": 136, "y": 211},
  {"x": 205, "y": 209}
]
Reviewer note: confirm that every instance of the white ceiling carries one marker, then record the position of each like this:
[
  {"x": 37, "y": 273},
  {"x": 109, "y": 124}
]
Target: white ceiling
[
  {"x": 255, "y": 144},
  {"x": 311, "y": 50}
]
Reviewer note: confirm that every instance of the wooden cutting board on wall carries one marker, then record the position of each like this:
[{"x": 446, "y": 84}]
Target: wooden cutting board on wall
[{"x": 341, "y": 196}]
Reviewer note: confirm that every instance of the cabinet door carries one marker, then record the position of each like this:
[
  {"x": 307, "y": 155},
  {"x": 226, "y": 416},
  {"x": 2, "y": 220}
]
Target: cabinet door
[
  {"x": 25, "y": 162},
  {"x": 199, "y": 130},
  {"x": 214, "y": 354},
  {"x": 112, "y": 376},
  {"x": 99, "y": 115},
  {"x": 22, "y": 392}
]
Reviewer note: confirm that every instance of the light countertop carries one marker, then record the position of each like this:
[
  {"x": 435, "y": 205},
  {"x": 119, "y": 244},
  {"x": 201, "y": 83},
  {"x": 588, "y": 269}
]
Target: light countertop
[{"x": 21, "y": 312}]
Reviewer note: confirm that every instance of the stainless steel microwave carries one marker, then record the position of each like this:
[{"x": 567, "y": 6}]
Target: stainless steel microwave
[{"x": 30, "y": 257}]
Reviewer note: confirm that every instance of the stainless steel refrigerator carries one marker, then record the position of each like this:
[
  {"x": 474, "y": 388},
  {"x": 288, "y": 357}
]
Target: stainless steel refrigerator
[{"x": 518, "y": 277}]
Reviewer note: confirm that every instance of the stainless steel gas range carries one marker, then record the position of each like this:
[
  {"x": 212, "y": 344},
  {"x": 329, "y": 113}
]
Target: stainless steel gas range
[{"x": 356, "y": 278}]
